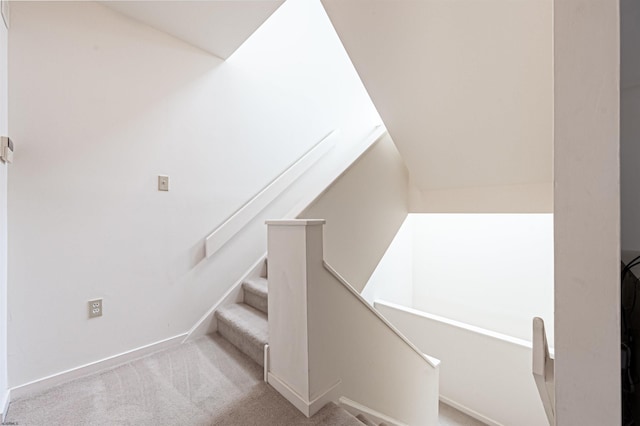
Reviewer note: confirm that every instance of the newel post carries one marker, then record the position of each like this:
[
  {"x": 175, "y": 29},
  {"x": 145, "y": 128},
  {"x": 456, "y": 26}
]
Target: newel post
[{"x": 295, "y": 271}]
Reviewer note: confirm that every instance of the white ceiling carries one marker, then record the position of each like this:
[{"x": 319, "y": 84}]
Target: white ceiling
[
  {"x": 216, "y": 26},
  {"x": 463, "y": 86}
]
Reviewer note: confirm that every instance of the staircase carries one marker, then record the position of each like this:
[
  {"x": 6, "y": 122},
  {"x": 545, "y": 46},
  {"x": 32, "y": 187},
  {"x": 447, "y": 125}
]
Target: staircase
[
  {"x": 365, "y": 421},
  {"x": 245, "y": 325}
]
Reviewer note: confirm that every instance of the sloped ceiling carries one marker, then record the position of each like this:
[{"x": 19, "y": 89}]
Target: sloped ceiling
[
  {"x": 463, "y": 86},
  {"x": 218, "y": 27}
]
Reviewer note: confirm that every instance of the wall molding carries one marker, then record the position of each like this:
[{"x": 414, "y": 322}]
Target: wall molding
[
  {"x": 241, "y": 217},
  {"x": 48, "y": 382},
  {"x": 308, "y": 408}
]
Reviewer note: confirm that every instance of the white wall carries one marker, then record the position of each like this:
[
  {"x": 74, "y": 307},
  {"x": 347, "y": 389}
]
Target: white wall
[
  {"x": 494, "y": 271},
  {"x": 467, "y": 296},
  {"x": 629, "y": 124},
  {"x": 587, "y": 212},
  {"x": 219, "y": 27},
  {"x": 465, "y": 88},
  {"x": 100, "y": 106},
  {"x": 364, "y": 209},
  {"x": 338, "y": 336},
  {"x": 483, "y": 374},
  {"x": 392, "y": 280},
  {"x": 3, "y": 221},
  {"x": 531, "y": 198}
]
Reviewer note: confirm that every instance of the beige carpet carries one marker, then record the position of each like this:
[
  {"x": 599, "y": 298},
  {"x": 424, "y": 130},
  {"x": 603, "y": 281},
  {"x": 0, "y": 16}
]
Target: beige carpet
[{"x": 207, "y": 382}]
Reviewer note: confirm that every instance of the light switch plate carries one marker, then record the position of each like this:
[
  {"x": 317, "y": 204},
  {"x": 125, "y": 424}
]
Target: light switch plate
[{"x": 163, "y": 183}]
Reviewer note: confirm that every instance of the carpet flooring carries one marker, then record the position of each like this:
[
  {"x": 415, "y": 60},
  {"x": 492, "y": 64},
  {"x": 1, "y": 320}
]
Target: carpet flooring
[{"x": 205, "y": 382}]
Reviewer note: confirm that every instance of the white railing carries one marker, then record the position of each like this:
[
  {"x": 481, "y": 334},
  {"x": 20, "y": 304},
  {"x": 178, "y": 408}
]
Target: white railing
[
  {"x": 543, "y": 370},
  {"x": 249, "y": 210},
  {"x": 326, "y": 342},
  {"x": 430, "y": 360},
  {"x": 484, "y": 374}
]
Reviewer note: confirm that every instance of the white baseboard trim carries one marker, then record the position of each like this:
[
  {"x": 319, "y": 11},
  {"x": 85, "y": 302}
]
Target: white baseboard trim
[
  {"x": 208, "y": 324},
  {"x": 48, "y": 382},
  {"x": 308, "y": 408},
  {"x": 356, "y": 408},
  {"x": 4, "y": 404},
  {"x": 469, "y": 412}
]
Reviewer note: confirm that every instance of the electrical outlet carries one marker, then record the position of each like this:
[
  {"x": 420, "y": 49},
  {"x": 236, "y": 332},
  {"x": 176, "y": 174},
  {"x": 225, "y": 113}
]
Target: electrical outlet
[
  {"x": 163, "y": 183},
  {"x": 95, "y": 308}
]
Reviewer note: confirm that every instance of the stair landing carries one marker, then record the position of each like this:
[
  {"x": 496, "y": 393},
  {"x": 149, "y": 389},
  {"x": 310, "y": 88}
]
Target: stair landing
[{"x": 204, "y": 382}]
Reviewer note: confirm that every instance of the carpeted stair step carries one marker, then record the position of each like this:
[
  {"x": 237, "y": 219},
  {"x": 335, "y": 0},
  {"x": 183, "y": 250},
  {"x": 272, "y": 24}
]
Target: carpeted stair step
[
  {"x": 333, "y": 415},
  {"x": 255, "y": 293},
  {"x": 364, "y": 420},
  {"x": 246, "y": 328}
]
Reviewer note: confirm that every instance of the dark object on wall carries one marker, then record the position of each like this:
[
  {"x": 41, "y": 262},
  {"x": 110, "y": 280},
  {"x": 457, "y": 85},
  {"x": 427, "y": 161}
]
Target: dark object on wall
[{"x": 629, "y": 337}]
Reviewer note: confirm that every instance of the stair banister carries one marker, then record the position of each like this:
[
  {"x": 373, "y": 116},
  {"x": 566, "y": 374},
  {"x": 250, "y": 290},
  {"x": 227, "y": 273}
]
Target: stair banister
[
  {"x": 295, "y": 258},
  {"x": 543, "y": 369},
  {"x": 326, "y": 342},
  {"x": 430, "y": 360}
]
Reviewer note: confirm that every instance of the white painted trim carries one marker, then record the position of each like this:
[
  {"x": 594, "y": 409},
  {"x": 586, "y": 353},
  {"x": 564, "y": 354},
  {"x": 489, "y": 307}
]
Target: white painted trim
[
  {"x": 458, "y": 324},
  {"x": 543, "y": 369},
  {"x": 433, "y": 362},
  {"x": 48, "y": 382},
  {"x": 4, "y": 405},
  {"x": 260, "y": 201},
  {"x": 469, "y": 412},
  {"x": 296, "y": 222},
  {"x": 331, "y": 394},
  {"x": 208, "y": 324},
  {"x": 356, "y": 408},
  {"x": 308, "y": 408},
  {"x": 266, "y": 363}
]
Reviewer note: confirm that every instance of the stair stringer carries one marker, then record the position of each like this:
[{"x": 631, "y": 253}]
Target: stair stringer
[{"x": 208, "y": 323}]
